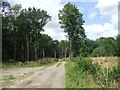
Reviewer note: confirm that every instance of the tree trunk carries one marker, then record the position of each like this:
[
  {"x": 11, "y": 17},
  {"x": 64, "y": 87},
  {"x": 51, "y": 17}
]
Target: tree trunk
[
  {"x": 15, "y": 45},
  {"x": 27, "y": 51},
  {"x": 65, "y": 52},
  {"x": 62, "y": 53},
  {"x": 43, "y": 53},
  {"x": 35, "y": 50},
  {"x": 22, "y": 53},
  {"x": 71, "y": 53},
  {"x": 54, "y": 53},
  {"x": 70, "y": 50},
  {"x": 0, "y": 37}
]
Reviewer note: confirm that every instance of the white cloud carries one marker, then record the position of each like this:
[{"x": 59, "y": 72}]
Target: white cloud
[
  {"x": 107, "y": 7},
  {"x": 93, "y": 28},
  {"x": 98, "y": 30},
  {"x": 92, "y": 15},
  {"x": 114, "y": 21},
  {"x": 52, "y": 7}
]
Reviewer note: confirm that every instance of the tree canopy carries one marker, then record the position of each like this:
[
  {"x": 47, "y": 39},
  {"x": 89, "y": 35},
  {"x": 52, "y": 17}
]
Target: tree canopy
[
  {"x": 71, "y": 21},
  {"x": 22, "y": 38}
]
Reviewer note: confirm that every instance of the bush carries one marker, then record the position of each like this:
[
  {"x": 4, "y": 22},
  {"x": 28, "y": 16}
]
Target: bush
[
  {"x": 75, "y": 78},
  {"x": 100, "y": 51},
  {"x": 85, "y": 64},
  {"x": 47, "y": 60},
  {"x": 115, "y": 73}
]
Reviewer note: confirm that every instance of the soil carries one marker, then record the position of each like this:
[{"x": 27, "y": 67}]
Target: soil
[{"x": 42, "y": 77}]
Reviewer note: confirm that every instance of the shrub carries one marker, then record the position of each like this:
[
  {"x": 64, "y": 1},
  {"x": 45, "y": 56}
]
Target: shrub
[
  {"x": 85, "y": 64},
  {"x": 115, "y": 73}
]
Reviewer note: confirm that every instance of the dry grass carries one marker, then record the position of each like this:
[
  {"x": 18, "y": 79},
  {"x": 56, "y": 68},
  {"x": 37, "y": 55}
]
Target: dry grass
[{"x": 106, "y": 61}]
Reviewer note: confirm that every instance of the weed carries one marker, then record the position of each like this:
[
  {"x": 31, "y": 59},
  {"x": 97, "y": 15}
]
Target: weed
[
  {"x": 38, "y": 63},
  {"x": 58, "y": 64},
  {"x": 80, "y": 70},
  {"x": 76, "y": 78},
  {"x": 7, "y": 80}
]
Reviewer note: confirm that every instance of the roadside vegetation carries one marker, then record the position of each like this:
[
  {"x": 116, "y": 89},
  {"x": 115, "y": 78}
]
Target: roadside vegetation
[
  {"x": 10, "y": 80},
  {"x": 38, "y": 63},
  {"x": 86, "y": 73}
]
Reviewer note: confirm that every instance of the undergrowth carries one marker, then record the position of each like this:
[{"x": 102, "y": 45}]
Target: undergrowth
[
  {"x": 38, "y": 63},
  {"x": 84, "y": 73}
]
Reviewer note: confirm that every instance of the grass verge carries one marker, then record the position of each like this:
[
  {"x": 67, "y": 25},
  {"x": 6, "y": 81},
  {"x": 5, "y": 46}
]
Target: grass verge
[
  {"x": 85, "y": 73},
  {"x": 75, "y": 78},
  {"x": 38, "y": 63}
]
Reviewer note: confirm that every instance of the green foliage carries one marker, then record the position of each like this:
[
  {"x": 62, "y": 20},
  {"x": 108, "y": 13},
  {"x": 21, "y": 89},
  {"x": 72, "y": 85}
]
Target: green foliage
[
  {"x": 75, "y": 78},
  {"x": 106, "y": 47},
  {"x": 38, "y": 63},
  {"x": 71, "y": 20},
  {"x": 27, "y": 24},
  {"x": 115, "y": 73},
  {"x": 117, "y": 46},
  {"x": 85, "y": 65},
  {"x": 100, "y": 51},
  {"x": 90, "y": 46},
  {"x": 79, "y": 69},
  {"x": 64, "y": 48}
]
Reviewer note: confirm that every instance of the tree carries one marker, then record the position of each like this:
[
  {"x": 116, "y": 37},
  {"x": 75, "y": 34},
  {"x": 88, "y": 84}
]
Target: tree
[
  {"x": 105, "y": 47},
  {"x": 46, "y": 46},
  {"x": 33, "y": 22},
  {"x": 15, "y": 12},
  {"x": 56, "y": 48},
  {"x": 117, "y": 46},
  {"x": 71, "y": 20},
  {"x": 4, "y": 4},
  {"x": 90, "y": 46},
  {"x": 99, "y": 51},
  {"x": 64, "y": 48},
  {"x": 27, "y": 25}
]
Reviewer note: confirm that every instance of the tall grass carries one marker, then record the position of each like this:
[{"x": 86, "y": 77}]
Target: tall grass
[
  {"x": 76, "y": 77},
  {"x": 80, "y": 69},
  {"x": 38, "y": 63}
]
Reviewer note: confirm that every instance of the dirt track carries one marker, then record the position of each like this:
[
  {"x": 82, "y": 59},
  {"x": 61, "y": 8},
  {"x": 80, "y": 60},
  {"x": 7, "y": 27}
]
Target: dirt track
[{"x": 51, "y": 77}]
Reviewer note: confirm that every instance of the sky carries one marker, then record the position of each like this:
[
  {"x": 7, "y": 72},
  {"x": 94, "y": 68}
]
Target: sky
[{"x": 101, "y": 16}]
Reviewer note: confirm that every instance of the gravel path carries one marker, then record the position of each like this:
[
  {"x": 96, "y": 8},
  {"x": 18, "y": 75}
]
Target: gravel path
[{"x": 50, "y": 77}]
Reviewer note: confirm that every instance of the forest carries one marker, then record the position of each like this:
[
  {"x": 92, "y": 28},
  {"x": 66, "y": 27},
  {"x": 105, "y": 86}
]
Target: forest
[
  {"x": 73, "y": 61},
  {"x": 22, "y": 38}
]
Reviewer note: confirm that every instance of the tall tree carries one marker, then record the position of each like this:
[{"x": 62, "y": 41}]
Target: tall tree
[
  {"x": 3, "y": 4},
  {"x": 71, "y": 20},
  {"x": 105, "y": 47},
  {"x": 27, "y": 25},
  {"x": 56, "y": 48},
  {"x": 117, "y": 46},
  {"x": 15, "y": 12},
  {"x": 64, "y": 48},
  {"x": 34, "y": 21}
]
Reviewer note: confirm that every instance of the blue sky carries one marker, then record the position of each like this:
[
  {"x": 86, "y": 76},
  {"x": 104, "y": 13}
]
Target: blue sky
[
  {"x": 101, "y": 16},
  {"x": 89, "y": 7}
]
